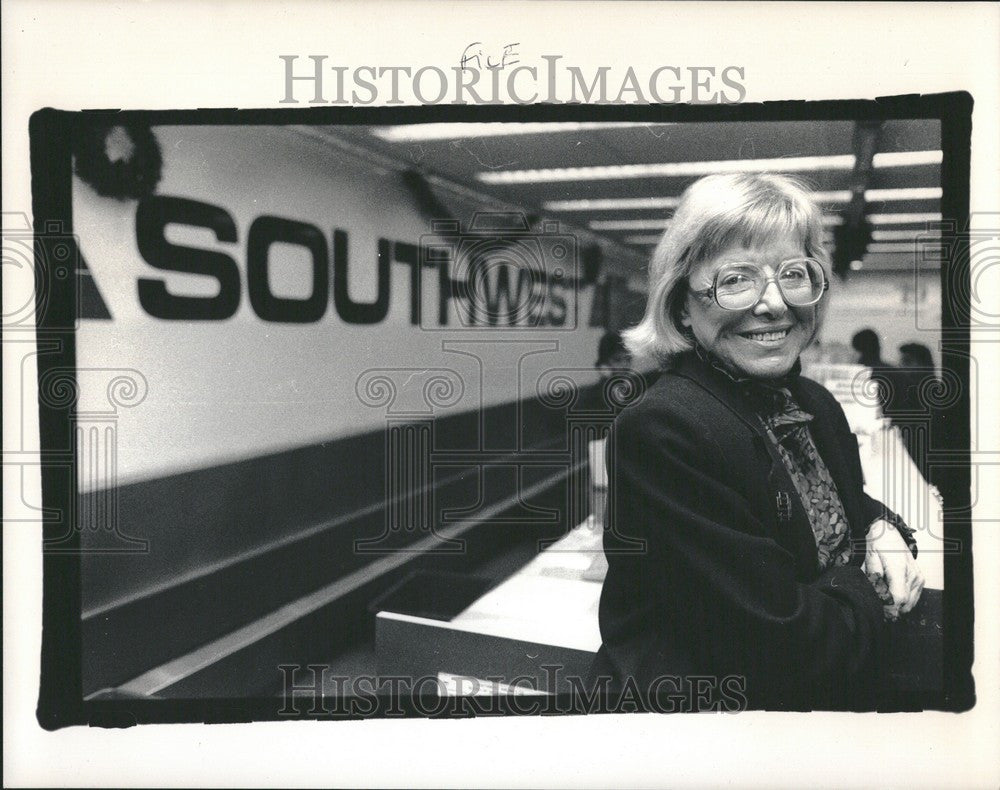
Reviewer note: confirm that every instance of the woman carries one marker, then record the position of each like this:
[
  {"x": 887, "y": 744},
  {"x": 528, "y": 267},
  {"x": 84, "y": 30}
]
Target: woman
[{"x": 740, "y": 543}]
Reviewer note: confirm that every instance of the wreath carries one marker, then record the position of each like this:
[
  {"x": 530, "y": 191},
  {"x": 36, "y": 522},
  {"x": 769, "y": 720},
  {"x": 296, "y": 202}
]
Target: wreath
[{"x": 130, "y": 170}]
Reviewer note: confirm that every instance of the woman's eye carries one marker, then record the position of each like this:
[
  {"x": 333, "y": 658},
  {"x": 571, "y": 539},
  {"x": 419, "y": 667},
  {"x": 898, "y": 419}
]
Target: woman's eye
[
  {"x": 734, "y": 279},
  {"x": 794, "y": 275}
]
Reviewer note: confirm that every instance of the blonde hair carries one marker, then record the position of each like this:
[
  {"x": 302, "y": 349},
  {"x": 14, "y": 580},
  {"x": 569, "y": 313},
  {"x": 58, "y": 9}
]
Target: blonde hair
[{"x": 714, "y": 214}]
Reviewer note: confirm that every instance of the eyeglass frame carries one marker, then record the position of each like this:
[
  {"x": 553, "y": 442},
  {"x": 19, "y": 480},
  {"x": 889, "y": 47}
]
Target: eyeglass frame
[{"x": 712, "y": 291}]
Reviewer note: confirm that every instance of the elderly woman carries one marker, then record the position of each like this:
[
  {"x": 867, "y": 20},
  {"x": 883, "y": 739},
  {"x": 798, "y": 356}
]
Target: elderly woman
[{"x": 741, "y": 545}]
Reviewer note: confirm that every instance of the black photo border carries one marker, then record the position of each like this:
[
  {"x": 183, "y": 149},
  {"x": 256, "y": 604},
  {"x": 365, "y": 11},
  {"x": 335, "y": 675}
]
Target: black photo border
[{"x": 51, "y": 131}]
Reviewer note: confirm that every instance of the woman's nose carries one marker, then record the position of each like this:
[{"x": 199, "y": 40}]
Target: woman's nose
[{"x": 771, "y": 301}]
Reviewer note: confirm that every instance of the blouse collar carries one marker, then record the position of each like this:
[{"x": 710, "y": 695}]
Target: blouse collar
[{"x": 772, "y": 399}]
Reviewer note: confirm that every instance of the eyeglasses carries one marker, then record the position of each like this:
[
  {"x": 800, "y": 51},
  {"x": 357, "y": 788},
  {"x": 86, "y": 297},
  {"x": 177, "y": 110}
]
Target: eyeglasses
[{"x": 740, "y": 286}]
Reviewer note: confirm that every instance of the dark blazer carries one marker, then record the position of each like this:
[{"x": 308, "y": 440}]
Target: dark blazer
[{"x": 712, "y": 562}]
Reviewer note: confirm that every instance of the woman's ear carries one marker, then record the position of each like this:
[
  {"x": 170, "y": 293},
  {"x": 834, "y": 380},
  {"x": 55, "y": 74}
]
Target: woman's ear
[{"x": 683, "y": 316}]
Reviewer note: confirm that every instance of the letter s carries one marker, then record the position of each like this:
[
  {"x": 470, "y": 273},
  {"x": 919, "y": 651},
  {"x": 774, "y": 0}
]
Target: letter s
[
  {"x": 556, "y": 315},
  {"x": 740, "y": 89},
  {"x": 734, "y": 698},
  {"x": 152, "y": 216}
]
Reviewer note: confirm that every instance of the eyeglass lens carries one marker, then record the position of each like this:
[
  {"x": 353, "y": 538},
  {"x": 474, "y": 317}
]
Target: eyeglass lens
[{"x": 741, "y": 285}]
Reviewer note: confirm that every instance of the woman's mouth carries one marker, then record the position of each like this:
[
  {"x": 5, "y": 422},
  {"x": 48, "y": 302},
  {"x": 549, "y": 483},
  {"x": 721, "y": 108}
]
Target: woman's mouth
[{"x": 773, "y": 336}]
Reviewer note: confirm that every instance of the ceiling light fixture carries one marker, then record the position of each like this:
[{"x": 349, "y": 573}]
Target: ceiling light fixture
[
  {"x": 891, "y": 247},
  {"x": 903, "y": 235},
  {"x": 906, "y": 158},
  {"x": 902, "y": 219},
  {"x": 792, "y": 164},
  {"x": 909, "y": 193},
  {"x": 452, "y": 131},
  {"x": 840, "y": 196},
  {"x": 628, "y": 224},
  {"x": 611, "y": 204}
]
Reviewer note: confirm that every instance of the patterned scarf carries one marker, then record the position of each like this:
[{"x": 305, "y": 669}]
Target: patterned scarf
[{"x": 787, "y": 427}]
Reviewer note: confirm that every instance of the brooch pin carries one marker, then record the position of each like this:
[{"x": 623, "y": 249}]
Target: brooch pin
[{"x": 784, "y": 506}]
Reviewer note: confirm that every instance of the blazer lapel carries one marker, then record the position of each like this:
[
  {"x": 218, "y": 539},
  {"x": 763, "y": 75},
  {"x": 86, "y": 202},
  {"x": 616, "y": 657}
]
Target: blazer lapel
[{"x": 794, "y": 529}]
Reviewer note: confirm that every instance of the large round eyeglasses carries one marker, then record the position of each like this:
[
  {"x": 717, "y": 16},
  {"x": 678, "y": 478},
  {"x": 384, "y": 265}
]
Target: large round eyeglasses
[{"x": 740, "y": 286}]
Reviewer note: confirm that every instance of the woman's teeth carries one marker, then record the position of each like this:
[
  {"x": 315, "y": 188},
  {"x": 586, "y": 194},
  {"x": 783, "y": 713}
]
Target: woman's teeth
[{"x": 764, "y": 336}]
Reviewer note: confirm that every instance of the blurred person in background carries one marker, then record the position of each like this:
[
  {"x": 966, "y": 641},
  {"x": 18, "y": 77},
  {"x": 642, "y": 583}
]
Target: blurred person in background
[
  {"x": 868, "y": 348},
  {"x": 916, "y": 355},
  {"x": 612, "y": 355},
  {"x": 893, "y": 384},
  {"x": 916, "y": 379}
]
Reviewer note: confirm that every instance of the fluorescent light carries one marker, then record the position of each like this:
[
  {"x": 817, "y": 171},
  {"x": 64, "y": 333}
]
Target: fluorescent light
[
  {"x": 911, "y": 193},
  {"x": 611, "y": 204},
  {"x": 628, "y": 224},
  {"x": 906, "y": 158},
  {"x": 451, "y": 131},
  {"x": 902, "y": 219},
  {"x": 840, "y": 196},
  {"x": 837, "y": 196},
  {"x": 828, "y": 220},
  {"x": 856, "y": 266},
  {"x": 616, "y": 204},
  {"x": 891, "y": 247},
  {"x": 643, "y": 239},
  {"x": 902, "y": 235},
  {"x": 792, "y": 164}
]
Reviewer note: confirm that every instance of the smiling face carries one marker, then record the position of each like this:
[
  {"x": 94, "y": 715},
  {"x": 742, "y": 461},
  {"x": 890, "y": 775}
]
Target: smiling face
[{"x": 763, "y": 341}]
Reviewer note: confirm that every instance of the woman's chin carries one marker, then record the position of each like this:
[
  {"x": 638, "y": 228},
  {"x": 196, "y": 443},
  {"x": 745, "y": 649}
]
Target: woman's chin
[{"x": 768, "y": 368}]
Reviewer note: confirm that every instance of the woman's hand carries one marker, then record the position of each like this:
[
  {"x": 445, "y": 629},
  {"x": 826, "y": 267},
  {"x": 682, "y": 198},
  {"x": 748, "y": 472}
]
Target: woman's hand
[{"x": 888, "y": 558}]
